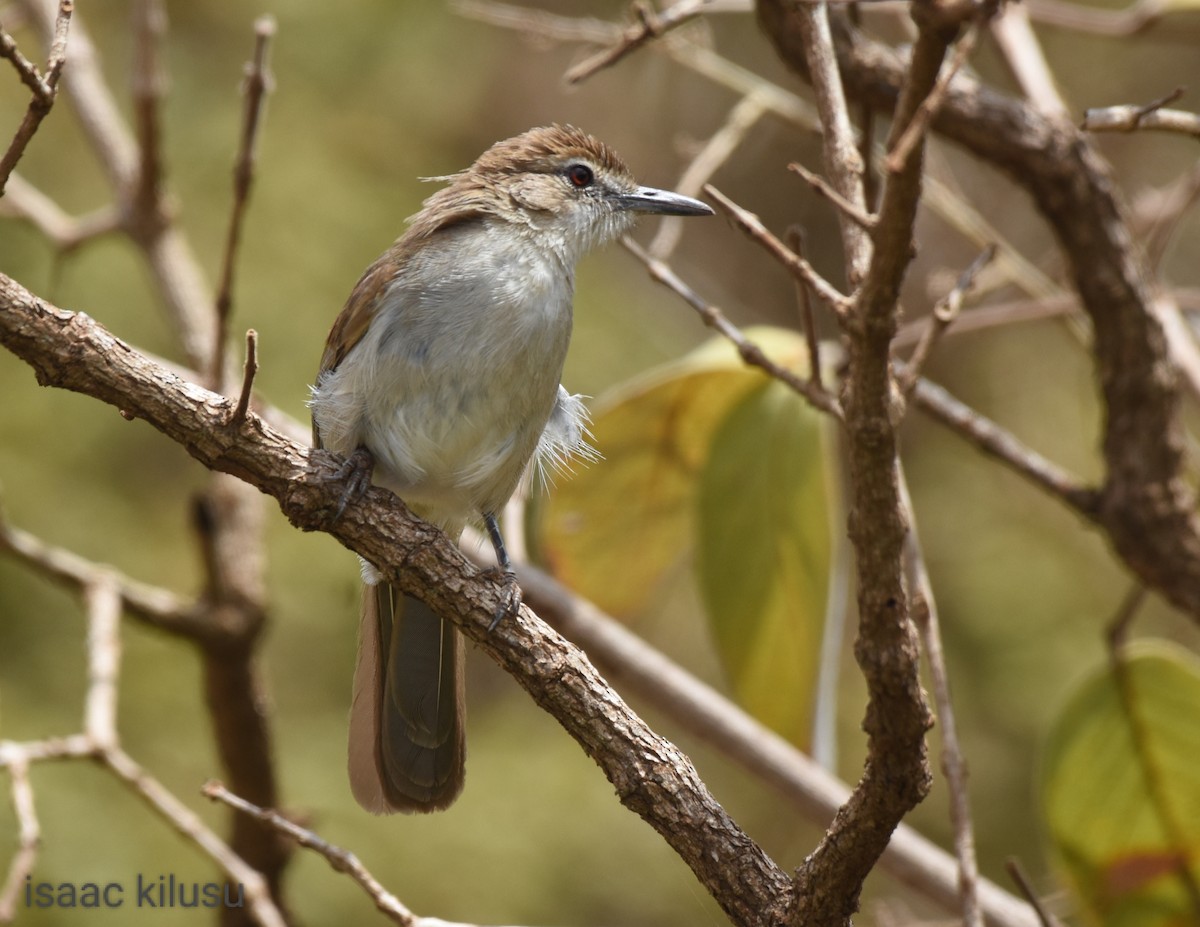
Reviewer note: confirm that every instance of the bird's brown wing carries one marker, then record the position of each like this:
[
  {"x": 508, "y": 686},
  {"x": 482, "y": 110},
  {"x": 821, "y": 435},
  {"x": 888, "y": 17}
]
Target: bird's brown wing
[{"x": 351, "y": 324}]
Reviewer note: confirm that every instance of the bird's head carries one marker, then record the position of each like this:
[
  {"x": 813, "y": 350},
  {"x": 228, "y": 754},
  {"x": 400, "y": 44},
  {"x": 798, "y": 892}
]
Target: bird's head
[{"x": 561, "y": 184}]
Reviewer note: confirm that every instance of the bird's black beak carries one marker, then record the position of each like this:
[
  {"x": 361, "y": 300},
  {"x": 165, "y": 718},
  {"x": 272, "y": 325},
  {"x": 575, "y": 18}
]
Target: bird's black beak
[{"x": 662, "y": 202}]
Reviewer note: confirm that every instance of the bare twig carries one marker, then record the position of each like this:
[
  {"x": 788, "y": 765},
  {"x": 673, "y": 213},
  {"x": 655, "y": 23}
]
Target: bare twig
[
  {"x": 1045, "y": 918},
  {"x": 341, "y": 860},
  {"x": 157, "y": 607},
  {"x": 249, "y": 369},
  {"x": 43, "y": 87},
  {"x": 749, "y": 223},
  {"x": 1152, "y": 115},
  {"x": 1084, "y": 18},
  {"x": 1118, "y": 626},
  {"x": 945, "y": 313},
  {"x": 1159, "y": 211},
  {"x": 647, "y": 25},
  {"x": 750, "y": 352},
  {"x": 255, "y": 89},
  {"x": 22, "y": 200},
  {"x": 807, "y": 317},
  {"x": 172, "y": 263},
  {"x": 852, "y": 212},
  {"x": 724, "y": 142},
  {"x": 843, "y": 161},
  {"x": 953, "y": 764},
  {"x": 25, "y": 68},
  {"x": 996, "y": 315},
  {"x": 29, "y": 835},
  {"x": 100, "y": 742},
  {"x": 147, "y": 206},
  {"x": 1014, "y": 35},
  {"x": 257, "y": 896},
  {"x": 1004, "y": 446},
  {"x": 918, "y": 126},
  {"x": 103, "y": 600},
  {"x": 896, "y": 773},
  {"x": 539, "y": 24}
]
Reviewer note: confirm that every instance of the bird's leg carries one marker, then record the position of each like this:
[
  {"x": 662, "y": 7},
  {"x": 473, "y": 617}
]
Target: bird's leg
[
  {"x": 355, "y": 472},
  {"x": 507, "y": 575}
]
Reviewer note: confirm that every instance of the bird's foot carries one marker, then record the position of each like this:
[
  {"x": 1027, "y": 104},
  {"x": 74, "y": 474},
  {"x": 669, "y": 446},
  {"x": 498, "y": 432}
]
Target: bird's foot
[
  {"x": 355, "y": 475},
  {"x": 510, "y": 602}
]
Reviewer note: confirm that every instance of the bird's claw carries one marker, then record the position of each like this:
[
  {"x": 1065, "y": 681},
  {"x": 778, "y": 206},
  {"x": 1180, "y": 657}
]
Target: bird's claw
[
  {"x": 511, "y": 592},
  {"x": 355, "y": 472}
]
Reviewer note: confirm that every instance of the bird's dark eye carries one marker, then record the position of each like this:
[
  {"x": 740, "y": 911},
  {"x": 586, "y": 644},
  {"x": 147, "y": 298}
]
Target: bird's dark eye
[{"x": 580, "y": 176}]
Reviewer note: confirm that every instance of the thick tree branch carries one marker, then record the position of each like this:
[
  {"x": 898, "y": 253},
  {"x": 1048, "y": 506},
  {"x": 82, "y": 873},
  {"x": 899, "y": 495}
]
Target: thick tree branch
[
  {"x": 896, "y": 776},
  {"x": 652, "y": 777}
]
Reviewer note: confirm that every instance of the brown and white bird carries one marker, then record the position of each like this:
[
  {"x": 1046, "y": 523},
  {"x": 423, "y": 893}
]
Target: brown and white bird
[{"x": 442, "y": 372}]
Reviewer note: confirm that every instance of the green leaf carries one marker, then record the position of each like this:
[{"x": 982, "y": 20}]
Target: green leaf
[
  {"x": 712, "y": 461},
  {"x": 764, "y": 553},
  {"x": 1121, "y": 788},
  {"x": 617, "y": 530}
]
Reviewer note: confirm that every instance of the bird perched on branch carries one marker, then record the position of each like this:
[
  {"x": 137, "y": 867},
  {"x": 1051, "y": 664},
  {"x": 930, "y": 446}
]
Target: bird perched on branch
[{"x": 440, "y": 381}]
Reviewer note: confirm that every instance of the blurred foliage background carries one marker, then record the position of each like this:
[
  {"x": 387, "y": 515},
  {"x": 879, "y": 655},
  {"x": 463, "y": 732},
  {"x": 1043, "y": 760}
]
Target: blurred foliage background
[{"x": 369, "y": 96}]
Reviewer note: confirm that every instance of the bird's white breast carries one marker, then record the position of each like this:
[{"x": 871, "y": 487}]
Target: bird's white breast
[{"x": 455, "y": 378}]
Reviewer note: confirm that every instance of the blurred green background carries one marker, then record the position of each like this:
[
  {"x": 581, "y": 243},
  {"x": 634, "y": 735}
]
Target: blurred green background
[{"x": 370, "y": 96}]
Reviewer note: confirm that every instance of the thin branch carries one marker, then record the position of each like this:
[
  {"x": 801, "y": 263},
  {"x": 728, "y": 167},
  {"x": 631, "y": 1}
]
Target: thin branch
[
  {"x": 1002, "y": 445},
  {"x": 29, "y": 836},
  {"x": 249, "y": 369},
  {"x": 647, "y": 25},
  {"x": 25, "y": 68},
  {"x": 843, "y": 161},
  {"x": 1159, "y": 211},
  {"x": 1081, "y": 17},
  {"x": 750, "y": 352},
  {"x": 188, "y": 823},
  {"x": 1022, "y": 51},
  {"x": 147, "y": 205},
  {"x": 340, "y": 860},
  {"x": 1182, "y": 348},
  {"x": 996, "y": 315},
  {"x": 538, "y": 24},
  {"x": 945, "y": 313},
  {"x": 749, "y": 223},
  {"x": 855, "y": 214},
  {"x": 719, "y": 148},
  {"x": 101, "y": 743},
  {"x": 257, "y": 85},
  {"x": 807, "y": 317},
  {"x": 157, "y": 607},
  {"x": 22, "y": 200},
  {"x": 918, "y": 126},
  {"x": 953, "y": 763},
  {"x": 1045, "y": 918},
  {"x": 1130, "y": 118},
  {"x": 173, "y": 266},
  {"x": 103, "y": 600},
  {"x": 43, "y": 88}
]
